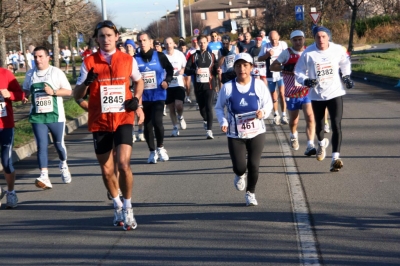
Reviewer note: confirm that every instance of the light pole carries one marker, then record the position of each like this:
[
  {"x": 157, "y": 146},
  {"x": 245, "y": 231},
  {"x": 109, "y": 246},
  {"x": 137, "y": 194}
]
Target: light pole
[
  {"x": 167, "y": 22},
  {"x": 190, "y": 17},
  {"x": 103, "y": 9},
  {"x": 182, "y": 19}
]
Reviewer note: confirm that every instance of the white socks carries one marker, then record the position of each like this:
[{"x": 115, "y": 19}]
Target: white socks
[
  {"x": 117, "y": 202},
  {"x": 335, "y": 155},
  {"x": 127, "y": 203}
]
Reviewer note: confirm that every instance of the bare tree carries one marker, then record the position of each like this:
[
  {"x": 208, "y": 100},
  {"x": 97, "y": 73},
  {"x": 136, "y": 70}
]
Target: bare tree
[{"x": 354, "y": 5}]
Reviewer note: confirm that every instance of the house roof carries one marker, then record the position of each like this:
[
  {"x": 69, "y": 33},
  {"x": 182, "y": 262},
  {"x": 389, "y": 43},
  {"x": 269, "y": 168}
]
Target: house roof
[{"x": 219, "y": 5}]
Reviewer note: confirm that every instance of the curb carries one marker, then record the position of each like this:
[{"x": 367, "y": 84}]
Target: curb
[
  {"x": 376, "y": 78},
  {"x": 27, "y": 150}
]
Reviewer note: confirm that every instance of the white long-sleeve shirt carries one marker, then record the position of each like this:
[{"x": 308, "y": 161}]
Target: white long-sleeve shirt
[
  {"x": 323, "y": 65},
  {"x": 264, "y": 104}
]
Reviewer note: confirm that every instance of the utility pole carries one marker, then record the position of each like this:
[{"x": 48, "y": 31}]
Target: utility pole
[
  {"x": 103, "y": 9},
  {"x": 182, "y": 19}
]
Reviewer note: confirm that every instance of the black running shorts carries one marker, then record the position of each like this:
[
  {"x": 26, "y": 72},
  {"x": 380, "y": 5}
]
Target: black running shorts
[{"x": 103, "y": 140}]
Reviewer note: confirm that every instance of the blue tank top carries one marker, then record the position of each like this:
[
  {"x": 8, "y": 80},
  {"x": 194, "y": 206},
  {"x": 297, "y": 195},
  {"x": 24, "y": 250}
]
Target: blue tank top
[{"x": 153, "y": 75}]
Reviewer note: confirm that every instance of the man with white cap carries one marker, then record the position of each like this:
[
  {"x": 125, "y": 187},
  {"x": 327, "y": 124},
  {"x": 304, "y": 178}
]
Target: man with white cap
[
  {"x": 248, "y": 102},
  {"x": 295, "y": 93}
]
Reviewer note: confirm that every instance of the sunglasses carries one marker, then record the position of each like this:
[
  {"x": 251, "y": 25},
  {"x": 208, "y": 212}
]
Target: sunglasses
[{"x": 106, "y": 23}]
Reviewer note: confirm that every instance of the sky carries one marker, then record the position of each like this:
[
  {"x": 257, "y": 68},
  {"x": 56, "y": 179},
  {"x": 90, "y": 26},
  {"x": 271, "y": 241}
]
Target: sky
[{"x": 136, "y": 13}]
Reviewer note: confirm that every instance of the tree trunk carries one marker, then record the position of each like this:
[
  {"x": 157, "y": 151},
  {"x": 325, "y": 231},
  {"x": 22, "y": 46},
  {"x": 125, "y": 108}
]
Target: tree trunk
[
  {"x": 54, "y": 34},
  {"x": 354, "y": 8},
  {"x": 3, "y": 49}
]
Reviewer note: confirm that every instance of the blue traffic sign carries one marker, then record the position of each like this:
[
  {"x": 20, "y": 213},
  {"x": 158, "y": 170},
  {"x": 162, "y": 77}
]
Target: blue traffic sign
[{"x": 299, "y": 12}]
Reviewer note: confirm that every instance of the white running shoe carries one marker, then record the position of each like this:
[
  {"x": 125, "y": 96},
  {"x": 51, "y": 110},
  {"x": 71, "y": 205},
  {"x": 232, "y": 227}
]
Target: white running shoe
[
  {"x": 175, "y": 132},
  {"x": 187, "y": 99},
  {"x": 250, "y": 199},
  {"x": 277, "y": 120},
  {"x": 162, "y": 154},
  {"x": 65, "y": 174},
  {"x": 326, "y": 128},
  {"x": 133, "y": 138},
  {"x": 153, "y": 157},
  {"x": 294, "y": 143},
  {"x": 240, "y": 182},
  {"x": 205, "y": 125},
  {"x": 182, "y": 123},
  {"x": 43, "y": 182},
  {"x": 284, "y": 120},
  {"x": 140, "y": 136},
  {"x": 209, "y": 134},
  {"x": 321, "y": 150},
  {"x": 12, "y": 200},
  {"x": 129, "y": 219},
  {"x": 118, "y": 217}
]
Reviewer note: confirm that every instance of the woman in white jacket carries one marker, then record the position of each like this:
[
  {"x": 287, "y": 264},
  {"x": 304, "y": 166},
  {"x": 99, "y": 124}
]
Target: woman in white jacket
[
  {"x": 248, "y": 102},
  {"x": 318, "y": 69}
]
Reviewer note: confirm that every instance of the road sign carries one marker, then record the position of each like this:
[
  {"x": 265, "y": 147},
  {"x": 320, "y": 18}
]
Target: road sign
[
  {"x": 315, "y": 16},
  {"x": 196, "y": 31},
  {"x": 299, "y": 12}
]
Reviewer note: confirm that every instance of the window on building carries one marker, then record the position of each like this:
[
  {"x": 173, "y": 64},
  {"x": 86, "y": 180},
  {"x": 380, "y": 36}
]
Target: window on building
[
  {"x": 203, "y": 16},
  {"x": 221, "y": 15},
  {"x": 252, "y": 12}
]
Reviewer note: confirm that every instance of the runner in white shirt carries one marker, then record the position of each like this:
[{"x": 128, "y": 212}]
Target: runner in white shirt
[
  {"x": 176, "y": 89},
  {"x": 248, "y": 102},
  {"x": 270, "y": 52},
  {"x": 318, "y": 68}
]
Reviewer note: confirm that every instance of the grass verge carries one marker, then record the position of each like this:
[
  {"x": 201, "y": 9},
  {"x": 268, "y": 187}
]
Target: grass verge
[
  {"x": 23, "y": 129},
  {"x": 383, "y": 63}
]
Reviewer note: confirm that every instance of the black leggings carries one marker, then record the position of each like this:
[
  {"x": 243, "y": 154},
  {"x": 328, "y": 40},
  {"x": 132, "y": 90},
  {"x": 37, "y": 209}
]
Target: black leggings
[
  {"x": 237, "y": 151},
  {"x": 335, "y": 109},
  {"x": 153, "y": 118},
  {"x": 204, "y": 98}
]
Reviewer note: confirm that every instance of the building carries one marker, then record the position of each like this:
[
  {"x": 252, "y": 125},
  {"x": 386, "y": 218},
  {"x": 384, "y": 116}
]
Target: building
[{"x": 225, "y": 15}]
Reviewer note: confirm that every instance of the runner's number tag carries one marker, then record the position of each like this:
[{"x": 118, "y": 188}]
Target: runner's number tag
[
  {"x": 204, "y": 76},
  {"x": 324, "y": 73},
  {"x": 112, "y": 98},
  {"x": 150, "y": 80},
  {"x": 3, "y": 110},
  {"x": 247, "y": 124},
  {"x": 43, "y": 103}
]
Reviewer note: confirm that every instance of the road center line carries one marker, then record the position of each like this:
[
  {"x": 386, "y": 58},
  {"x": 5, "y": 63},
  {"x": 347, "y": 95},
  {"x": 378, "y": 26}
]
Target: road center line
[{"x": 306, "y": 239}]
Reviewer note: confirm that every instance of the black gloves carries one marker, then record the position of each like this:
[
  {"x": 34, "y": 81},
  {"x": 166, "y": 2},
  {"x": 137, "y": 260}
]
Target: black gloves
[
  {"x": 132, "y": 104},
  {"x": 289, "y": 67},
  {"x": 228, "y": 76},
  {"x": 91, "y": 76},
  {"x": 348, "y": 82},
  {"x": 310, "y": 83},
  {"x": 224, "y": 51}
]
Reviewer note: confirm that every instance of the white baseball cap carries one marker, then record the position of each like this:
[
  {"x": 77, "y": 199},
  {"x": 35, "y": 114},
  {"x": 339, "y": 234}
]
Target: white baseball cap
[
  {"x": 297, "y": 33},
  {"x": 244, "y": 56}
]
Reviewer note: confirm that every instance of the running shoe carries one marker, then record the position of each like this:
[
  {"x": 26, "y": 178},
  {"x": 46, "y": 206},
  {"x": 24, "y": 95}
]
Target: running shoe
[
  {"x": 205, "y": 125},
  {"x": 209, "y": 134},
  {"x": 175, "y": 132},
  {"x": 336, "y": 165},
  {"x": 250, "y": 199},
  {"x": 140, "y": 136},
  {"x": 162, "y": 154},
  {"x": 294, "y": 143},
  {"x": 129, "y": 219},
  {"x": 326, "y": 128},
  {"x": 12, "y": 200},
  {"x": 310, "y": 151},
  {"x": 277, "y": 120},
  {"x": 187, "y": 99},
  {"x": 240, "y": 182},
  {"x": 43, "y": 182},
  {"x": 284, "y": 120},
  {"x": 133, "y": 138},
  {"x": 182, "y": 123},
  {"x": 321, "y": 151},
  {"x": 119, "y": 193},
  {"x": 118, "y": 216},
  {"x": 153, "y": 157},
  {"x": 65, "y": 174}
]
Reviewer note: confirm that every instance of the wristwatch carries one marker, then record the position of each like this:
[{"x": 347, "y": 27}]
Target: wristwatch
[{"x": 54, "y": 93}]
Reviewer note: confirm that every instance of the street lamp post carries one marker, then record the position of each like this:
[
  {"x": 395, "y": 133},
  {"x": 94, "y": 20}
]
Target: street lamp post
[
  {"x": 190, "y": 17},
  {"x": 103, "y": 8},
  {"x": 182, "y": 19}
]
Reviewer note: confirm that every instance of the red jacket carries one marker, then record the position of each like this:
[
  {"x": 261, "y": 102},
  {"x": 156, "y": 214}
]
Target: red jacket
[
  {"x": 117, "y": 73},
  {"x": 8, "y": 81}
]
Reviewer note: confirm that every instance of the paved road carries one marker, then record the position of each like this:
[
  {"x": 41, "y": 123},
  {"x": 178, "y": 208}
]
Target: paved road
[{"x": 190, "y": 214}]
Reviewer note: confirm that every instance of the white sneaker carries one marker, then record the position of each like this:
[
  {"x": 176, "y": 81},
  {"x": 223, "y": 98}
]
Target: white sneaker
[
  {"x": 321, "y": 150},
  {"x": 250, "y": 199},
  {"x": 277, "y": 120},
  {"x": 209, "y": 134},
  {"x": 140, "y": 136},
  {"x": 43, "y": 182},
  {"x": 187, "y": 99},
  {"x": 326, "y": 128},
  {"x": 205, "y": 125},
  {"x": 129, "y": 219},
  {"x": 284, "y": 120},
  {"x": 162, "y": 154},
  {"x": 65, "y": 174},
  {"x": 294, "y": 143},
  {"x": 153, "y": 157},
  {"x": 118, "y": 217},
  {"x": 240, "y": 182},
  {"x": 133, "y": 138},
  {"x": 175, "y": 132},
  {"x": 182, "y": 123}
]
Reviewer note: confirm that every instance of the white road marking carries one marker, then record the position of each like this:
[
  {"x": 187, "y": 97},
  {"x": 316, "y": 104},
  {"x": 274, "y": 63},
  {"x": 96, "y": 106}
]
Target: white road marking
[{"x": 306, "y": 238}]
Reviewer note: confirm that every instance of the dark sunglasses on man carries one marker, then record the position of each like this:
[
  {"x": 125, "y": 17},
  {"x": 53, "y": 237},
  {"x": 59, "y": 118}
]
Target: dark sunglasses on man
[{"x": 105, "y": 24}]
